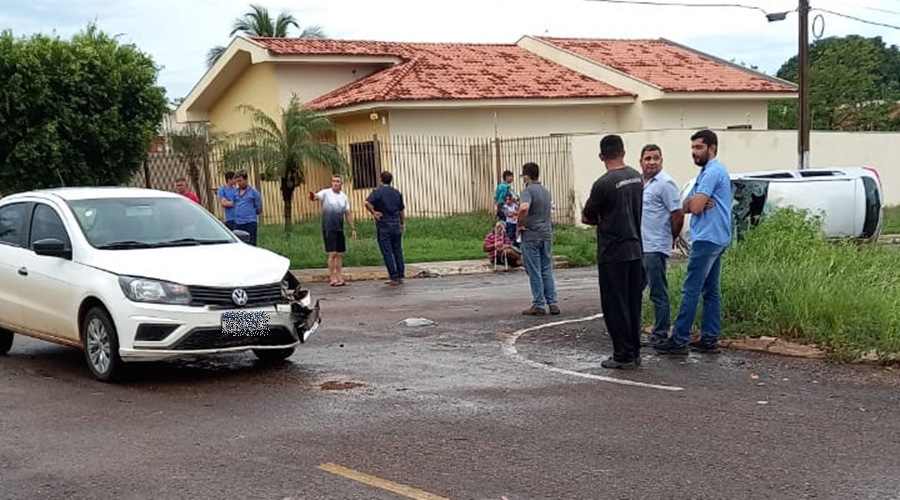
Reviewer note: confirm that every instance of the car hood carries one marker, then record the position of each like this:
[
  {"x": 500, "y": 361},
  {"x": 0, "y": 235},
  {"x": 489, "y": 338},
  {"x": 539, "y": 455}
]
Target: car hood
[{"x": 204, "y": 265}]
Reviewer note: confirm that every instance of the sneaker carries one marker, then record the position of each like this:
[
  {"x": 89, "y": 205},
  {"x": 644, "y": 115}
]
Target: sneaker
[
  {"x": 554, "y": 309},
  {"x": 534, "y": 311},
  {"x": 669, "y": 347},
  {"x": 704, "y": 347},
  {"x": 612, "y": 364}
]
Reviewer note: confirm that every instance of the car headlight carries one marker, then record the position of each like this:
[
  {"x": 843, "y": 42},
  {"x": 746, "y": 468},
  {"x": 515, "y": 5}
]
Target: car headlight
[{"x": 159, "y": 292}]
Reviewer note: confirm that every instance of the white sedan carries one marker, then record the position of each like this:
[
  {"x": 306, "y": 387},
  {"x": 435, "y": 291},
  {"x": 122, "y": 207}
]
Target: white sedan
[{"x": 132, "y": 274}]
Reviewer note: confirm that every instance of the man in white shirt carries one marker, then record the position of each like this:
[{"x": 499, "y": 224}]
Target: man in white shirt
[{"x": 335, "y": 207}]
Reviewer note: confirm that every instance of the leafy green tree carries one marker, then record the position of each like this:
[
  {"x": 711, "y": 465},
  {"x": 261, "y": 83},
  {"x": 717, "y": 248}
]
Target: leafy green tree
[
  {"x": 284, "y": 146},
  {"x": 74, "y": 112},
  {"x": 258, "y": 22},
  {"x": 854, "y": 83}
]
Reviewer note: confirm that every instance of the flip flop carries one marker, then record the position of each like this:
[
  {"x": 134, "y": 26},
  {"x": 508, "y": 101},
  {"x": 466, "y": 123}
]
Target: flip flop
[{"x": 340, "y": 283}]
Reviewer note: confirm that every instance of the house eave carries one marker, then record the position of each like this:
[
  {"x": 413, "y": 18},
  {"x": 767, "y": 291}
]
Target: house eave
[
  {"x": 477, "y": 103},
  {"x": 724, "y": 96}
]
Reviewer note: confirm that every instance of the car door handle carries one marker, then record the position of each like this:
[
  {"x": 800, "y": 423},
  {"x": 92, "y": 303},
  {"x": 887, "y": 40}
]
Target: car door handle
[{"x": 23, "y": 271}]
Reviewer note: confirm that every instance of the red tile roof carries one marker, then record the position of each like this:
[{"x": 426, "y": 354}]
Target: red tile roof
[
  {"x": 670, "y": 66},
  {"x": 446, "y": 72}
]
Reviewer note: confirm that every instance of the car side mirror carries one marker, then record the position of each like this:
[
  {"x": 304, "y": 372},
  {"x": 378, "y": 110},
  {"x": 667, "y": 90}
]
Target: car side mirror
[
  {"x": 52, "y": 247},
  {"x": 243, "y": 235}
]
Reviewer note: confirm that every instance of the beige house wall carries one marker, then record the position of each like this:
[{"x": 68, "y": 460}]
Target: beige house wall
[
  {"x": 258, "y": 86},
  {"x": 749, "y": 150},
  {"x": 694, "y": 113},
  {"x": 310, "y": 81},
  {"x": 506, "y": 122}
]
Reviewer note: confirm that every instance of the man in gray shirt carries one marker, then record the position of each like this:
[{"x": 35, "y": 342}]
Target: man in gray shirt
[{"x": 534, "y": 227}]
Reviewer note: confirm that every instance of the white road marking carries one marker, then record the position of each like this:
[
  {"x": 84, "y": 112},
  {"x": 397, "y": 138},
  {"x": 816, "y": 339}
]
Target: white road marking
[{"x": 509, "y": 348}]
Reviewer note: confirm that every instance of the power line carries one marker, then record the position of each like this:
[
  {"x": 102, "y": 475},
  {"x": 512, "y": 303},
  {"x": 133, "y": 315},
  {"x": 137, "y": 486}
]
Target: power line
[
  {"x": 740, "y": 6},
  {"x": 682, "y": 4},
  {"x": 854, "y": 18}
]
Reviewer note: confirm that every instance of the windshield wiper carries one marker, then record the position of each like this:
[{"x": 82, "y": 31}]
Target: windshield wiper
[
  {"x": 181, "y": 242},
  {"x": 125, "y": 244}
]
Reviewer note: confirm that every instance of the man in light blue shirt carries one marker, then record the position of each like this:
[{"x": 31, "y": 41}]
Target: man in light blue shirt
[
  {"x": 661, "y": 221},
  {"x": 247, "y": 207},
  {"x": 709, "y": 204}
]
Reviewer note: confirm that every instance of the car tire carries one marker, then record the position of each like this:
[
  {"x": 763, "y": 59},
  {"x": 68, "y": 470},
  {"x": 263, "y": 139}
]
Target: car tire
[
  {"x": 101, "y": 345},
  {"x": 6, "y": 340},
  {"x": 273, "y": 355}
]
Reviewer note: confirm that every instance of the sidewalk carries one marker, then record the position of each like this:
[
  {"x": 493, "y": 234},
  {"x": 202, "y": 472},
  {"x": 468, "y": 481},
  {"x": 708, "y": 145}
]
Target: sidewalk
[{"x": 417, "y": 270}]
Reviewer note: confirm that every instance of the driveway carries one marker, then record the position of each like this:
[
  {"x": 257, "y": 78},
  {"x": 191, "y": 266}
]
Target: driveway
[{"x": 484, "y": 404}]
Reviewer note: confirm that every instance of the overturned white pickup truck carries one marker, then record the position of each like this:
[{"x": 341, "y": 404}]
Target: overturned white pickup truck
[{"x": 849, "y": 199}]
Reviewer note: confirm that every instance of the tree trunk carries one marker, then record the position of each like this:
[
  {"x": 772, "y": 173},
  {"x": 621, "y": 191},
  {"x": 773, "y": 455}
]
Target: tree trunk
[
  {"x": 288, "y": 184},
  {"x": 288, "y": 210}
]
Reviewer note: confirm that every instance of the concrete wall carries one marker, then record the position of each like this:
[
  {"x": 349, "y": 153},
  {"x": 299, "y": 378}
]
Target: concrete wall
[
  {"x": 749, "y": 150},
  {"x": 691, "y": 114}
]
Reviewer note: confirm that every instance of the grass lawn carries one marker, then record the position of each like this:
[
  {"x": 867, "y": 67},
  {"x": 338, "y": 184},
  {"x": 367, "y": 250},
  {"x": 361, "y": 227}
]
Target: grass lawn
[
  {"x": 891, "y": 220},
  {"x": 457, "y": 237}
]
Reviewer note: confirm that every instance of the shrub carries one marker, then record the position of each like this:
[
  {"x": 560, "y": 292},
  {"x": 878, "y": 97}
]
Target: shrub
[{"x": 784, "y": 279}]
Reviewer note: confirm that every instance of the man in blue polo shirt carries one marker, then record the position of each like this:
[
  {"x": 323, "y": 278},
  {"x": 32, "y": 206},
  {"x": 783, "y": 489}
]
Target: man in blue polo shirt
[
  {"x": 709, "y": 204},
  {"x": 226, "y": 197},
  {"x": 247, "y": 206}
]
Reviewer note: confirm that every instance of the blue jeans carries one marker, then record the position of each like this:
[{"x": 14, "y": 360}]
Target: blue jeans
[
  {"x": 703, "y": 269},
  {"x": 390, "y": 242},
  {"x": 539, "y": 265},
  {"x": 251, "y": 228},
  {"x": 655, "y": 278}
]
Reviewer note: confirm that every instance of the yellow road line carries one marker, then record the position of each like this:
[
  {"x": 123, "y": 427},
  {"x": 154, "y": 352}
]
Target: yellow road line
[{"x": 377, "y": 482}]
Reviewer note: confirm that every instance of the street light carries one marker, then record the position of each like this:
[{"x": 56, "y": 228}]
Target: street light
[{"x": 803, "y": 122}]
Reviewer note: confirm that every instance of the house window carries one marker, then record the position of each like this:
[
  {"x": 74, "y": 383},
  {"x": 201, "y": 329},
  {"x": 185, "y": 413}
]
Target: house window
[{"x": 364, "y": 163}]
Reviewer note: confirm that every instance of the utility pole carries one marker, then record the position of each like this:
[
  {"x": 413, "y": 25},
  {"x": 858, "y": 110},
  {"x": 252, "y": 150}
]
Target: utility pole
[{"x": 803, "y": 107}]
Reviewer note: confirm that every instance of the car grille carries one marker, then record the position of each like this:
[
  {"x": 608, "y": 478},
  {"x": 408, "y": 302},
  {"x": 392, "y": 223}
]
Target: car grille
[
  {"x": 261, "y": 295},
  {"x": 213, "y": 338}
]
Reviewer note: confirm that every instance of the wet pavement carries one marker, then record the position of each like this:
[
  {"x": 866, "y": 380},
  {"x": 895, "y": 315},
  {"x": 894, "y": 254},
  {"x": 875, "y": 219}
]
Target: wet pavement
[{"x": 484, "y": 404}]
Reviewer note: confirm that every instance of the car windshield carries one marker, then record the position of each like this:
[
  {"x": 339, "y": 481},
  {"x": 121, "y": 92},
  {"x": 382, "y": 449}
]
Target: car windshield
[{"x": 124, "y": 223}]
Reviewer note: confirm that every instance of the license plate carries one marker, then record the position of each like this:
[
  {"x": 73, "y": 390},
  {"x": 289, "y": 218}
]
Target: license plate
[{"x": 245, "y": 323}]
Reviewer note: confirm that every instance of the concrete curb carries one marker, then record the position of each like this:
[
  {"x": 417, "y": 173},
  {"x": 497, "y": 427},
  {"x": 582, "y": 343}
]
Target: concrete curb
[
  {"x": 774, "y": 345},
  {"x": 417, "y": 270}
]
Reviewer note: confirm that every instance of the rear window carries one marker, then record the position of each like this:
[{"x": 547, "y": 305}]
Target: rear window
[{"x": 873, "y": 207}]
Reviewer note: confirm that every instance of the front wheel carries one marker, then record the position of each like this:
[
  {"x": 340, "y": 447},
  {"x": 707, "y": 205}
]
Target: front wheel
[
  {"x": 101, "y": 345},
  {"x": 6, "y": 340},
  {"x": 273, "y": 355}
]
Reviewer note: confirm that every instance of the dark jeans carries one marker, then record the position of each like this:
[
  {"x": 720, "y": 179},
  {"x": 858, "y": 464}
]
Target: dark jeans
[
  {"x": 538, "y": 257},
  {"x": 511, "y": 232},
  {"x": 250, "y": 227},
  {"x": 704, "y": 265},
  {"x": 621, "y": 288},
  {"x": 655, "y": 273},
  {"x": 390, "y": 241},
  {"x": 229, "y": 224}
]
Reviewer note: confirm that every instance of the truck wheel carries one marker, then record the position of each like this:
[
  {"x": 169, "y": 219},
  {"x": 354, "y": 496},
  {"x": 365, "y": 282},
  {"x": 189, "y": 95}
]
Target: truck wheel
[{"x": 6, "y": 339}]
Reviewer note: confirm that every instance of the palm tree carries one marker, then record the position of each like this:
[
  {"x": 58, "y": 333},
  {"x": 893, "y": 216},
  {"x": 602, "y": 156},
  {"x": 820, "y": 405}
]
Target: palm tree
[
  {"x": 285, "y": 149},
  {"x": 258, "y": 22}
]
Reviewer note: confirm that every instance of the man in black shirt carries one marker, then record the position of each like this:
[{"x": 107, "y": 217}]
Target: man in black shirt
[
  {"x": 615, "y": 207},
  {"x": 386, "y": 205}
]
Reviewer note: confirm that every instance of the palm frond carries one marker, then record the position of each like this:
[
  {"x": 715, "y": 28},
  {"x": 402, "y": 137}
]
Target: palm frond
[
  {"x": 213, "y": 55},
  {"x": 283, "y": 23},
  {"x": 314, "y": 31}
]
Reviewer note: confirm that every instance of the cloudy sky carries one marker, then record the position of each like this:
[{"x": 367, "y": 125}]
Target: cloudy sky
[{"x": 178, "y": 33}]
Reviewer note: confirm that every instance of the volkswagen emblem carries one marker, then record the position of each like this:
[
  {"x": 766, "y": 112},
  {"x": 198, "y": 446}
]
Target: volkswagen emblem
[{"x": 239, "y": 296}]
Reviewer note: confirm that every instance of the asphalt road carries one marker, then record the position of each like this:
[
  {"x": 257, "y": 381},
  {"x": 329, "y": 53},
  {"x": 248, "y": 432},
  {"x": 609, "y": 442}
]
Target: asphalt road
[{"x": 473, "y": 407}]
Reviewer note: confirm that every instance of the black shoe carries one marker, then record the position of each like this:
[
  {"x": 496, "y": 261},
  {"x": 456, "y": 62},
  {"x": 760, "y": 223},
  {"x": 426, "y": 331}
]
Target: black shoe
[
  {"x": 670, "y": 348},
  {"x": 652, "y": 340},
  {"x": 704, "y": 347},
  {"x": 612, "y": 364}
]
